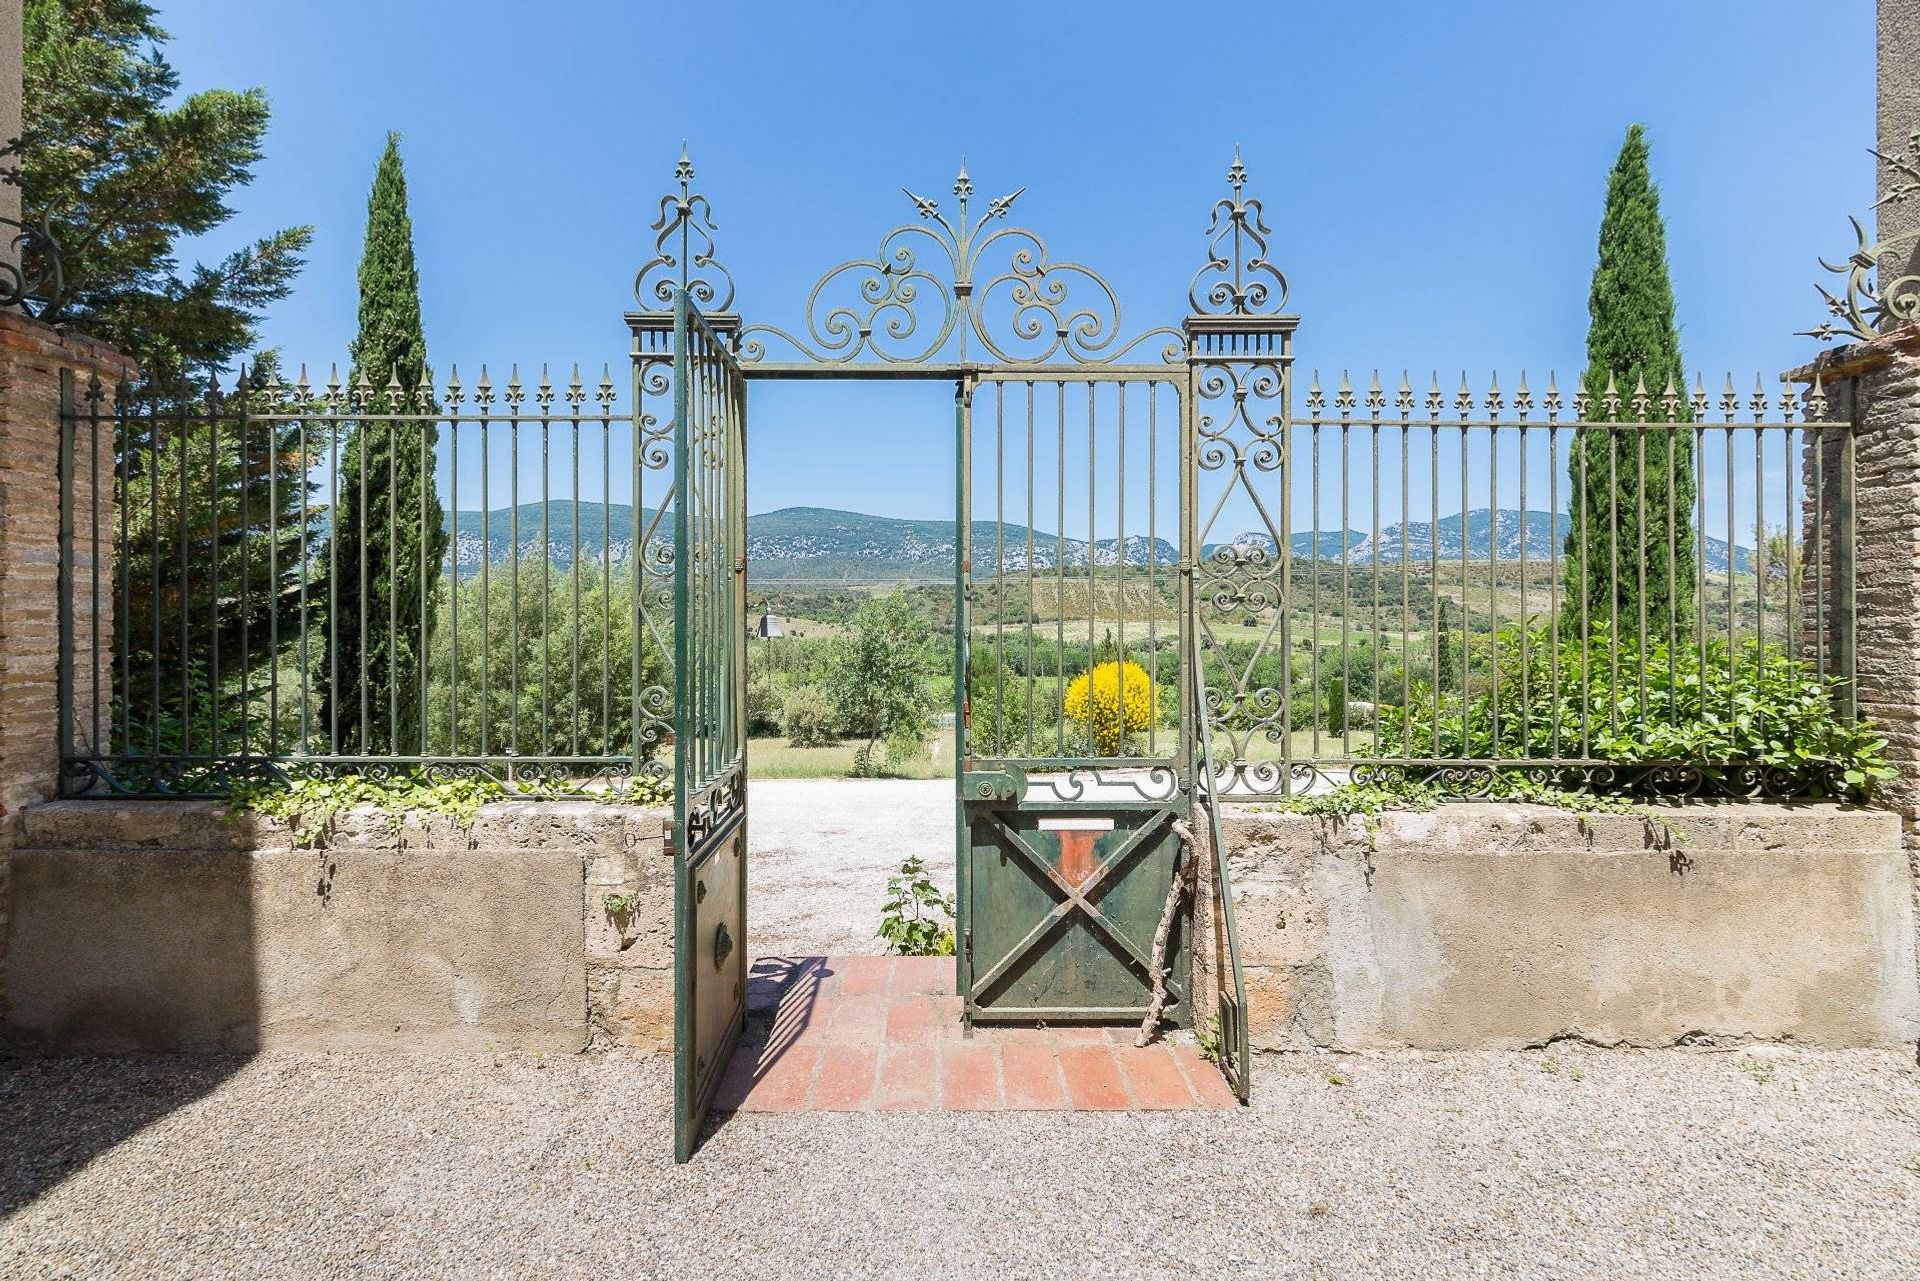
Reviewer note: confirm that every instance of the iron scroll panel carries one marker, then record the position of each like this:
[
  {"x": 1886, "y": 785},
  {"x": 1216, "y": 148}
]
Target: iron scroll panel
[{"x": 710, "y": 784}]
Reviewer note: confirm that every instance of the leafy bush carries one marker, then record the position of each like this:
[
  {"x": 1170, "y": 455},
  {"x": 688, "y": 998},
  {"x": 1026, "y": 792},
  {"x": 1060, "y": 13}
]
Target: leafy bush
[
  {"x": 917, "y": 919},
  {"x": 877, "y": 677},
  {"x": 807, "y": 717},
  {"x": 1113, "y": 702},
  {"x": 1751, "y": 718},
  {"x": 763, "y": 705}
]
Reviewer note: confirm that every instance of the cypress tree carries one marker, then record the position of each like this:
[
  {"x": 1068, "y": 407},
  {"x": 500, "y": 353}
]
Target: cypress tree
[
  {"x": 389, "y": 515},
  {"x": 1633, "y": 492}
]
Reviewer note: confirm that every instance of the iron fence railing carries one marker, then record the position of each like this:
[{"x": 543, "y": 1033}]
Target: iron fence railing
[
  {"x": 1566, "y": 585},
  {"x": 469, "y": 577},
  {"x": 256, "y": 579}
]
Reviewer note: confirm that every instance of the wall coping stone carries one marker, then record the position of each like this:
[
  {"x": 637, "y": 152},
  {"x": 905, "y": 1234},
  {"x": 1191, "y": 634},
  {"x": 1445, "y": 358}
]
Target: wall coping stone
[
  {"x": 587, "y": 826},
  {"x": 1482, "y": 828}
]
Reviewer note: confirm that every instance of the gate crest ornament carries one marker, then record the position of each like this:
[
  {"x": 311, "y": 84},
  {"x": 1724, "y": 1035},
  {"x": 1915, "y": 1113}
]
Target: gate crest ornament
[
  {"x": 683, "y": 251},
  {"x": 938, "y": 288},
  {"x": 1245, "y": 283}
]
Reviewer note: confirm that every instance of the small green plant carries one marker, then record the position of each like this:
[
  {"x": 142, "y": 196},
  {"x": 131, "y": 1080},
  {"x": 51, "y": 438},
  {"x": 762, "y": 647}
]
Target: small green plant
[
  {"x": 917, "y": 919},
  {"x": 1759, "y": 1069},
  {"x": 1209, "y": 1039},
  {"x": 310, "y": 804},
  {"x": 621, "y": 904},
  {"x": 1336, "y": 1078},
  {"x": 1550, "y": 1065}
]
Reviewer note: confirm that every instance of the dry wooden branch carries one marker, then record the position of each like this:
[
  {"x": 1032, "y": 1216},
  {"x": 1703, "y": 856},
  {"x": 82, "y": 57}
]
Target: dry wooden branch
[{"x": 1182, "y": 871}]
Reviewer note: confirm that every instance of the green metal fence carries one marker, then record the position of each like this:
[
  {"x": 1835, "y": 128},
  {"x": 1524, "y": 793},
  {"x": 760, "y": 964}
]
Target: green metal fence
[{"x": 273, "y": 587}]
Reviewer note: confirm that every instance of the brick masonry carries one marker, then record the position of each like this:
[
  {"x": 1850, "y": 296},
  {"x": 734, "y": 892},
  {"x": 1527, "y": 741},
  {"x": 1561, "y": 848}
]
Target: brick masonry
[{"x": 32, "y": 356}]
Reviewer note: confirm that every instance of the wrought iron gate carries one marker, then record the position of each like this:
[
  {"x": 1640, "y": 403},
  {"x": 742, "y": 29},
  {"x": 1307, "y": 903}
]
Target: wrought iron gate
[
  {"x": 1076, "y": 662},
  {"x": 1073, "y": 769},
  {"x": 709, "y": 721}
]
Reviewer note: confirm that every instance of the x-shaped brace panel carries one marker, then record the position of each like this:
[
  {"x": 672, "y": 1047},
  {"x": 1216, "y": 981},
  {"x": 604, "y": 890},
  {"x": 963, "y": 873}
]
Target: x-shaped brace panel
[{"x": 1073, "y": 897}]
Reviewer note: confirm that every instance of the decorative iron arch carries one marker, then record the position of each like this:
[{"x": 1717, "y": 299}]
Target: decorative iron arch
[{"x": 964, "y": 288}]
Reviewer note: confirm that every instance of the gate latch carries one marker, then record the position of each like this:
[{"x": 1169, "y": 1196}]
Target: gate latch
[{"x": 997, "y": 788}]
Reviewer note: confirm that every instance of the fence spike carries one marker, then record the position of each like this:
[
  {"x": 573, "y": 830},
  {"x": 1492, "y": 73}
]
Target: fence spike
[
  {"x": 1670, "y": 401},
  {"x": 1523, "y": 397},
  {"x": 605, "y": 396},
  {"x": 1758, "y": 401},
  {"x": 395, "y": 392},
  {"x": 1610, "y": 399},
  {"x": 1436, "y": 402},
  {"x": 1403, "y": 399},
  {"x": 543, "y": 394},
  {"x": 1642, "y": 403},
  {"x": 1700, "y": 401},
  {"x": 1817, "y": 400},
  {"x": 1316, "y": 399},
  {"x": 455, "y": 395},
  {"x": 1495, "y": 401},
  {"x": 1376, "y": 395},
  {"x": 1729, "y": 400},
  {"x": 575, "y": 392},
  {"x": 1553, "y": 397},
  {"x": 1343, "y": 398}
]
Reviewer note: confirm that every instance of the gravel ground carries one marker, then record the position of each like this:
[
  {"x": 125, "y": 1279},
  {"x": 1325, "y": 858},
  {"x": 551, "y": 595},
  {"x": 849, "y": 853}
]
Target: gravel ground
[
  {"x": 819, "y": 852},
  {"x": 1582, "y": 1163}
]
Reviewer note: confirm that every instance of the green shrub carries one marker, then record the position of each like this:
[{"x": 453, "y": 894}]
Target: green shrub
[
  {"x": 1751, "y": 719},
  {"x": 807, "y": 717}
]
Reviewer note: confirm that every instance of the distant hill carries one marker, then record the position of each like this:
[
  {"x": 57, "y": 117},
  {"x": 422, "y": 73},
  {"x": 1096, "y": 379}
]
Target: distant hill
[
  {"x": 818, "y": 544},
  {"x": 1484, "y": 533}
]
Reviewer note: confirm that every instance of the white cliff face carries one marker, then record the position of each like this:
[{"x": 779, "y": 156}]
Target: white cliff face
[{"x": 799, "y": 539}]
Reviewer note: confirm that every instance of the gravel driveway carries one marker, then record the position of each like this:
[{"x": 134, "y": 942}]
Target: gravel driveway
[
  {"x": 819, "y": 852},
  {"x": 1583, "y": 1163}
]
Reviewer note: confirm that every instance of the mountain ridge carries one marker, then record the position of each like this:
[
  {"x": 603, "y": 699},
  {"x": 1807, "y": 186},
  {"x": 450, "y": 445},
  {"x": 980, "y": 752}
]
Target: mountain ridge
[{"x": 817, "y": 544}]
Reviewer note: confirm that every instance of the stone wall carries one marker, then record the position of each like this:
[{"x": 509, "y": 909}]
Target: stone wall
[
  {"x": 1501, "y": 926},
  {"x": 167, "y": 926}
]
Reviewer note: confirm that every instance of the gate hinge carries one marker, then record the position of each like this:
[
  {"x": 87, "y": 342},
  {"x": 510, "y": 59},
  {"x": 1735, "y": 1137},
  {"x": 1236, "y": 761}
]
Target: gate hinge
[{"x": 967, "y": 945}]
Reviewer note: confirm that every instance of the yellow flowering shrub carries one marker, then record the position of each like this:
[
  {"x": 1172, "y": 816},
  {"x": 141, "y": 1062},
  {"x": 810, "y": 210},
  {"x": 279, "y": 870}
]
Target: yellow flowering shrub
[{"x": 1114, "y": 701}]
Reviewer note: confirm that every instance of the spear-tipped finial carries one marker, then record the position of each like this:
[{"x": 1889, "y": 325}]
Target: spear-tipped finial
[
  {"x": 962, "y": 184},
  {"x": 683, "y": 170},
  {"x": 1236, "y": 172}
]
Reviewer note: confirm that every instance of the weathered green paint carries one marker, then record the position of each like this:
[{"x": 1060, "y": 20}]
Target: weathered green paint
[{"x": 711, "y": 956}]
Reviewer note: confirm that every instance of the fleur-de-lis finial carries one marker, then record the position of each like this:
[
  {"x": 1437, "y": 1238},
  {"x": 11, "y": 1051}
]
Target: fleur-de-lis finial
[
  {"x": 1237, "y": 279},
  {"x": 962, "y": 184},
  {"x": 683, "y": 251}
]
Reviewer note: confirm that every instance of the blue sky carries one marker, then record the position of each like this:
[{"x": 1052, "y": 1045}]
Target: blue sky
[{"x": 1433, "y": 172}]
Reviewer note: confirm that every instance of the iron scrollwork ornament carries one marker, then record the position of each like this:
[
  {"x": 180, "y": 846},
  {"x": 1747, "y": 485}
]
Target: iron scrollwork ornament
[
  {"x": 943, "y": 283},
  {"x": 684, "y": 251},
  {"x": 1238, "y": 279},
  {"x": 31, "y": 277},
  {"x": 1882, "y": 279}
]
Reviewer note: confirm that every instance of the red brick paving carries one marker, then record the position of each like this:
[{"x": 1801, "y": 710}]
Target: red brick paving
[{"x": 877, "y": 1032}]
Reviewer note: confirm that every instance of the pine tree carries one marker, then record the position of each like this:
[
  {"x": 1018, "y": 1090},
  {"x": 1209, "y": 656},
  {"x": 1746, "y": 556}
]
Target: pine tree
[
  {"x": 389, "y": 517},
  {"x": 1630, "y": 539},
  {"x": 125, "y": 167}
]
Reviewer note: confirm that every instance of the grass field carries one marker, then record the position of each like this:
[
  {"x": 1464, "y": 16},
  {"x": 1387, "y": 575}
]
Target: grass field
[{"x": 776, "y": 758}]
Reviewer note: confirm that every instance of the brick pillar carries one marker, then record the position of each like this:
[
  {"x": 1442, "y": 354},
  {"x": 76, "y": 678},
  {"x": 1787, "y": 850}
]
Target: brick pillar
[
  {"x": 1877, "y": 385},
  {"x": 32, "y": 357}
]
